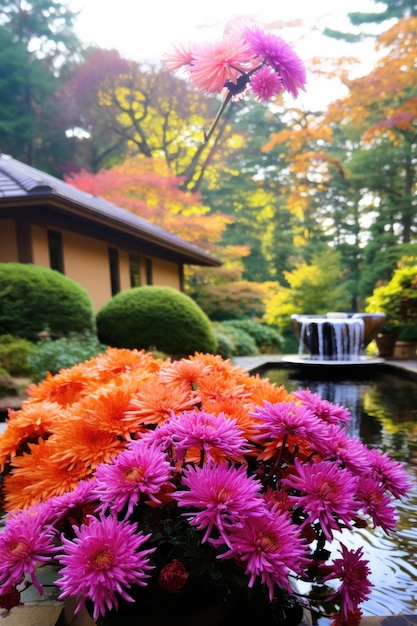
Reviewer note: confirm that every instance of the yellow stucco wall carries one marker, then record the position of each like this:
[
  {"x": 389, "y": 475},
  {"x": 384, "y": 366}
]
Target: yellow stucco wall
[
  {"x": 86, "y": 261},
  {"x": 165, "y": 274},
  {"x": 8, "y": 247},
  {"x": 40, "y": 247}
]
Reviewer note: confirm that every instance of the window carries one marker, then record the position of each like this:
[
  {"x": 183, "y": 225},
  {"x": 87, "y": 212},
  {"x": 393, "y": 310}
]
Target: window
[
  {"x": 148, "y": 271},
  {"x": 134, "y": 270},
  {"x": 114, "y": 271},
  {"x": 56, "y": 254}
]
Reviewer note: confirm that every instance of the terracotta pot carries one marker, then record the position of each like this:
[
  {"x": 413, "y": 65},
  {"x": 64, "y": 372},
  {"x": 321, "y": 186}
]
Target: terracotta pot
[{"x": 405, "y": 350}]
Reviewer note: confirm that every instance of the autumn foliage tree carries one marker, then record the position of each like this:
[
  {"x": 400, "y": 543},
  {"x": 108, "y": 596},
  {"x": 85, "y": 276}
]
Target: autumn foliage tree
[
  {"x": 147, "y": 188},
  {"x": 352, "y": 169},
  {"x": 119, "y": 108}
]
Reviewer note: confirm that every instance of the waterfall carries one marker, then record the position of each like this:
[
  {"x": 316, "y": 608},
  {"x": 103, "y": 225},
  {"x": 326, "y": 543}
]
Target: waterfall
[{"x": 333, "y": 337}]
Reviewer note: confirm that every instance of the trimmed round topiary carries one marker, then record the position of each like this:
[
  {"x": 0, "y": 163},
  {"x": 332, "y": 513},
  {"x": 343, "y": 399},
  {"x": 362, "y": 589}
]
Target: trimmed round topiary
[
  {"x": 159, "y": 318},
  {"x": 34, "y": 299}
]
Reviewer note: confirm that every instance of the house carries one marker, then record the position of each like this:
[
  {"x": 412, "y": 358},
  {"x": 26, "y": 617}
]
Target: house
[{"x": 104, "y": 248}]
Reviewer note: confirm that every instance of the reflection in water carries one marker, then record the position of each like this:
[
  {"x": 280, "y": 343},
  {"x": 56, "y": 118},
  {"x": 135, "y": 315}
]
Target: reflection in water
[{"x": 384, "y": 415}]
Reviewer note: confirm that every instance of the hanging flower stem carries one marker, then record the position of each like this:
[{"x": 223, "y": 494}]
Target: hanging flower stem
[{"x": 209, "y": 134}]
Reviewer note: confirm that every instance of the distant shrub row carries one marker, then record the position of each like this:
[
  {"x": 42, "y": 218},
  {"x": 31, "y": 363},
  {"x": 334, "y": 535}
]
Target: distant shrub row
[{"x": 47, "y": 323}]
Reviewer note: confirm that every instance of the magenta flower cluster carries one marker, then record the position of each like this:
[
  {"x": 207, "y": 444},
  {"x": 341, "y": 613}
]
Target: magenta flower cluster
[
  {"x": 245, "y": 59},
  {"x": 203, "y": 495}
]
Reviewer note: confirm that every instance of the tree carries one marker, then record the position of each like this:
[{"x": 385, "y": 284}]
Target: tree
[
  {"x": 382, "y": 108},
  {"x": 36, "y": 40},
  {"x": 94, "y": 141},
  {"x": 317, "y": 287},
  {"x": 394, "y": 10},
  {"x": 44, "y": 27},
  {"x": 251, "y": 191},
  {"x": 351, "y": 170},
  {"x": 131, "y": 108},
  {"x": 147, "y": 188}
]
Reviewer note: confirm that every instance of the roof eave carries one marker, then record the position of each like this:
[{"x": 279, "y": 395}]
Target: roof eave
[{"x": 189, "y": 253}]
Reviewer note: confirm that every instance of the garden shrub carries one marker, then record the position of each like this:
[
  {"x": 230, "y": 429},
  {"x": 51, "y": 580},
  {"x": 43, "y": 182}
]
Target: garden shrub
[
  {"x": 54, "y": 355},
  {"x": 155, "y": 318},
  {"x": 267, "y": 339},
  {"x": 225, "y": 345},
  {"x": 14, "y": 355},
  {"x": 243, "y": 344},
  {"x": 398, "y": 298},
  {"x": 34, "y": 299}
]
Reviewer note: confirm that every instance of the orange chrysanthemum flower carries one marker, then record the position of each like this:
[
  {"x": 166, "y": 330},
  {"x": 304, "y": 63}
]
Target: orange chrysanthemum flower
[
  {"x": 66, "y": 387},
  {"x": 190, "y": 372},
  {"x": 216, "y": 363},
  {"x": 78, "y": 441},
  {"x": 117, "y": 361},
  {"x": 26, "y": 426},
  {"x": 217, "y": 387},
  {"x": 107, "y": 407},
  {"x": 263, "y": 390},
  {"x": 39, "y": 475},
  {"x": 154, "y": 403},
  {"x": 273, "y": 447},
  {"x": 234, "y": 408}
]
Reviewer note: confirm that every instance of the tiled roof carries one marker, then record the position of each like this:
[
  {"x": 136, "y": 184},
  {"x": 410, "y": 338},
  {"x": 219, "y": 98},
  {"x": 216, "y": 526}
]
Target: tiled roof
[{"x": 21, "y": 181}]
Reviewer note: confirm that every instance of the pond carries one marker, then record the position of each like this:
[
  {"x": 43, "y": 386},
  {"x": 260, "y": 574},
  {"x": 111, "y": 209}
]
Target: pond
[{"x": 384, "y": 415}]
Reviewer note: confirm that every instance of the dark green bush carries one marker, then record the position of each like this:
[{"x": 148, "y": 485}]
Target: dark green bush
[
  {"x": 243, "y": 344},
  {"x": 225, "y": 345},
  {"x": 14, "y": 355},
  {"x": 267, "y": 338},
  {"x": 54, "y": 355},
  {"x": 155, "y": 318},
  {"x": 33, "y": 299}
]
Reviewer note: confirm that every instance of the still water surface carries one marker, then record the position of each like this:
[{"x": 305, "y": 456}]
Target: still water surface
[{"x": 384, "y": 415}]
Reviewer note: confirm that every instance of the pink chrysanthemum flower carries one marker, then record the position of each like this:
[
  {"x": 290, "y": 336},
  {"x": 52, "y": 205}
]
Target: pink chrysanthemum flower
[
  {"x": 389, "y": 473},
  {"x": 349, "y": 451},
  {"x": 325, "y": 410},
  {"x": 26, "y": 542},
  {"x": 81, "y": 496},
  {"x": 179, "y": 57},
  {"x": 288, "y": 418},
  {"x": 377, "y": 504},
  {"x": 265, "y": 83},
  {"x": 103, "y": 560},
  {"x": 270, "y": 547},
  {"x": 208, "y": 433},
  {"x": 160, "y": 436},
  {"x": 353, "y": 571},
  {"x": 326, "y": 493},
  {"x": 280, "y": 56},
  {"x": 225, "y": 495},
  {"x": 216, "y": 63},
  {"x": 140, "y": 469}
]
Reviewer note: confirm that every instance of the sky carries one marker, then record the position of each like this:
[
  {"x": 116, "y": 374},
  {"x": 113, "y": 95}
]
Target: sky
[{"x": 143, "y": 31}]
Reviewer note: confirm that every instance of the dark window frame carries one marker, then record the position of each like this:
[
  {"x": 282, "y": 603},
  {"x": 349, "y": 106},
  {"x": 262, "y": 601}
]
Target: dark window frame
[
  {"x": 56, "y": 250},
  {"x": 134, "y": 269},
  {"x": 114, "y": 267},
  {"x": 148, "y": 271}
]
